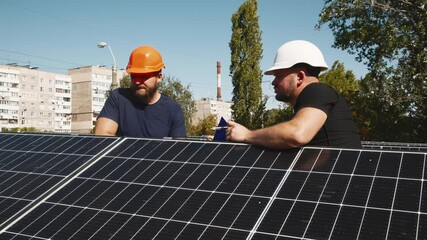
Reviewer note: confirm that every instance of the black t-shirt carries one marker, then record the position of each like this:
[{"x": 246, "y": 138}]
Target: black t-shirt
[{"x": 339, "y": 129}]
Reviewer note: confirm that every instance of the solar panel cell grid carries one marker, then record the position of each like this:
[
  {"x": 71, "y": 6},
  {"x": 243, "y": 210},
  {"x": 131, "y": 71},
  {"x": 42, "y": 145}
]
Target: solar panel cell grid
[
  {"x": 32, "y": 165},
  {"x": 344, "y": 203},
  {"x": 216, "y": 190},
  {"x": 172, "y": 189},
  {"x": 412, "y": 166}
]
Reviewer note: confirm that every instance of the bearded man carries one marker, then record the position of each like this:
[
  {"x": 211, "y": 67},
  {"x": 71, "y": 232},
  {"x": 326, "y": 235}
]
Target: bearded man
[
  {"x": 322, "y": 116},
  {"x": 141, "y": 110}
]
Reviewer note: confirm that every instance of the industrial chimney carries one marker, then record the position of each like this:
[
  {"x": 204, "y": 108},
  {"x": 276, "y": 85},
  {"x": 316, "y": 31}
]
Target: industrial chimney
[{"x": 218, "y": 76}]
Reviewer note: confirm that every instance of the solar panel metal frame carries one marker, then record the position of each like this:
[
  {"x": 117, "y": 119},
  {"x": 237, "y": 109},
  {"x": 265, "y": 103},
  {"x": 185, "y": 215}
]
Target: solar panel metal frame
[{"x": 395, "y": 146}]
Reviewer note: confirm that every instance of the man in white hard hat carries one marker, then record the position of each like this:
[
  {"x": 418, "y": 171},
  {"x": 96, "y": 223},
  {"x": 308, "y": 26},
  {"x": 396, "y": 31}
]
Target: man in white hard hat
[{"x": 322, "y": 117}]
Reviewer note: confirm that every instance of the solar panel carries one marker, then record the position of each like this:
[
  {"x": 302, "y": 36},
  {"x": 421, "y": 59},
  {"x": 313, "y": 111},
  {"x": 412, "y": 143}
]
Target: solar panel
[
  {"x": 415, "y": 147},
  {"x": 351, "y": 195},
  {"x": 32, "y": 165},
  {"x": 181, "y": 189}
]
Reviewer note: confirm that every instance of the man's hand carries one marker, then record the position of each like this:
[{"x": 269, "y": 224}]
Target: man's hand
[{"x": 236, "y": 132}]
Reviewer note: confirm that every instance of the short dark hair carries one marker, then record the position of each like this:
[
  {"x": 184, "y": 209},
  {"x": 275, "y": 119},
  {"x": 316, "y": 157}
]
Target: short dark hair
[{"x": 311, "y": 71}]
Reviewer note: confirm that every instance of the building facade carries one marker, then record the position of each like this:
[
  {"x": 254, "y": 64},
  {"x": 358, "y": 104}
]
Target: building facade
[
  {"x": 208, "y": 106},
  {"x": 33, "y": 98},
  {"x": 89, "y": 91}
]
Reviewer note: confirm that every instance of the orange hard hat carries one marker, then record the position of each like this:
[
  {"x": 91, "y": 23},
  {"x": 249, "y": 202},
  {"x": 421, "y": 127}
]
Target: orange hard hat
[{"x": 145, "y": 59}]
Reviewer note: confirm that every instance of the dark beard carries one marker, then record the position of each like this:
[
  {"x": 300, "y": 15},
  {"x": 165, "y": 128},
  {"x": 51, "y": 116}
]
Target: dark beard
[
  {"x": 283, "y": 98},
  {"x": 147, "y": 96}
]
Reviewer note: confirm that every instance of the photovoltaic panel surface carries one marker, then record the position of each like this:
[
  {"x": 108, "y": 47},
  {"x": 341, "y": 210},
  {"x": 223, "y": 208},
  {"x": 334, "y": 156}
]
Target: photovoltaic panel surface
[
  {"x": 31, "y": 165},
  {"x": 175, "y": 189},
  {"x": 350, "y": 194},
  {"x": 162, "y": 189}
]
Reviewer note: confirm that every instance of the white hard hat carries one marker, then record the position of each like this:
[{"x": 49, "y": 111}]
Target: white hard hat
[{"x": 298, "y": 51}]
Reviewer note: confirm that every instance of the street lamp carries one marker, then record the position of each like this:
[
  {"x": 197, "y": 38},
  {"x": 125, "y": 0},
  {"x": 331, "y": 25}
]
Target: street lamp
[{"x": 114, "y": 69}]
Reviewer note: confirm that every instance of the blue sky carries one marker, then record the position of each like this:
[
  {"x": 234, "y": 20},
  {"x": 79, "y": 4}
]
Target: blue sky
[{"x": 192, "y": 35}]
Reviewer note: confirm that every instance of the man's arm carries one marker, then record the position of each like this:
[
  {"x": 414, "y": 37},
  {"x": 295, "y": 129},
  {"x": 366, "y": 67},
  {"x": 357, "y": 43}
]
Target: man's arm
[
  {"x": 106, "y": 127},
  {"x": 297, "y": 132},
  {"x": 178, "y": 124}
]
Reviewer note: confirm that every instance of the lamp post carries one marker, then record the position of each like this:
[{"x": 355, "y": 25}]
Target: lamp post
[{"x": 114, "y": 83}]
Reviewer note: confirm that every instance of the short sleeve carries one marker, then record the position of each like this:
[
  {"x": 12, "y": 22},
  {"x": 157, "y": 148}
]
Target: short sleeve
[
  {"x": 178, "y": 123},
  {"x": 317, "y": 95},
  {"x": 111, "y": 107}
]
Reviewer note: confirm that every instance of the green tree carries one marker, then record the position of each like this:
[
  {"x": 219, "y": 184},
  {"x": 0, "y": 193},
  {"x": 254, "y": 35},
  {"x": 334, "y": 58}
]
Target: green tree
[
  {"x": 390, "y": 37},
  {"x": 173, "y": 88},
  {"x": 204, "y": 126},
  {"x": 125, "y": 81},
  {"x": 22, "y": 129},
  {"x": 245, "y": 70},
  {"x": 276, "y": 115},
  {"x": 379, "y": 118},
  {"x": 344, "y": 82}
]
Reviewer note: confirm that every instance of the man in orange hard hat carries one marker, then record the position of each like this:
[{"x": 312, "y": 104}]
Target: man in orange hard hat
[
  {"x": 322, "y": 117},
  {"x": 141, "y": 110}
]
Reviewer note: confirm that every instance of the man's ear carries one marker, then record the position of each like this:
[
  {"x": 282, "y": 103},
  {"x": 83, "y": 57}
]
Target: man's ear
[
  {"x": 159, "y": 77},
  {"x": 300, "y": 76}
]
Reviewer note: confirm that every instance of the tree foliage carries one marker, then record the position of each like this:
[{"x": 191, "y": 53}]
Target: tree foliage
[
  {"x": 125, "y": 81},
  {"x": 276, "y": 115},
  {"x": 245, "y": 70},
  {"x": 172, "y": 87},
  {"x": 204, "y": 126},
  {"x": 343, "y": 81},
  {"x": 21, "y": 129},
  {"x": 381, "y": 119},
  {"x": 390, "y": 37}
]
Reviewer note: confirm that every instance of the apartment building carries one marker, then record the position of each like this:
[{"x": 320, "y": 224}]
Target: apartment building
[
  {"x": 207, "y": 106},
  {"x": 33, "y": 98},
  {"x": 89, "y": 87}
]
